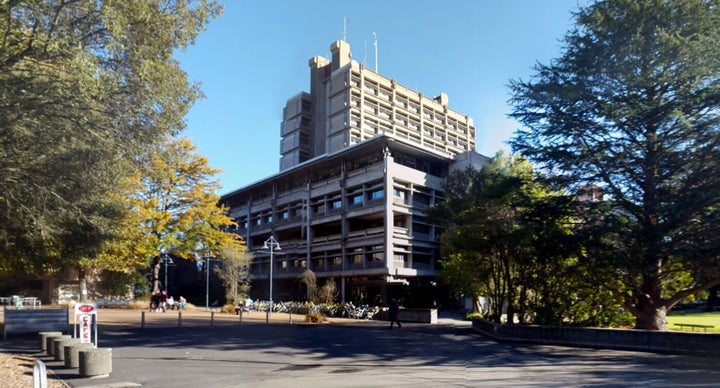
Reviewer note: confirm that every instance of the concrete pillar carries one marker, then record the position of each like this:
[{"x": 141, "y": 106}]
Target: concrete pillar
[
  {"x": 72, "y": 354},
  {"x": 95, "y": 362},
  {"x": 44, "y": 334},
  {"x": 59, "y": 347},
  {"x": 50, "y": 343}
]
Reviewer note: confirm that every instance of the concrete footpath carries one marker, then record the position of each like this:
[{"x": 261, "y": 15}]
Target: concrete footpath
[{"x": 349, "y": 353}]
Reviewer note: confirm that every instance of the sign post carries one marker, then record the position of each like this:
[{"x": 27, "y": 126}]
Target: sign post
[{"x": 85, "y": 323}]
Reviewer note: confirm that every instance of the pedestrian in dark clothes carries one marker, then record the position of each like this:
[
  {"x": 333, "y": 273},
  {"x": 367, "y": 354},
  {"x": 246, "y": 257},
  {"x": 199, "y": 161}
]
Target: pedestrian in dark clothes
[{"x": 393, "y": 312}]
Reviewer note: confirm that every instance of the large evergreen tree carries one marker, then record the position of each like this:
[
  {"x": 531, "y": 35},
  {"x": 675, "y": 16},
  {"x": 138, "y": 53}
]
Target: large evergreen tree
[
  {"x": 84, "y": 86},
  {"x": 633, "y": 106},
  {"x": 508, "y": 238}
]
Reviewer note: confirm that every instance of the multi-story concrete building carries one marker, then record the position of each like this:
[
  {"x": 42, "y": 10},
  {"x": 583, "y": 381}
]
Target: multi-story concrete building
[
  {"x": 361, "y": 158},
  {"x": 349, "y": 103}
]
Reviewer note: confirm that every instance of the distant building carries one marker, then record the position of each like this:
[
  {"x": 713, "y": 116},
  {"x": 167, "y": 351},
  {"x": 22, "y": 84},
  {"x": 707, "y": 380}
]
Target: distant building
[{"x": 361, "y": 158}]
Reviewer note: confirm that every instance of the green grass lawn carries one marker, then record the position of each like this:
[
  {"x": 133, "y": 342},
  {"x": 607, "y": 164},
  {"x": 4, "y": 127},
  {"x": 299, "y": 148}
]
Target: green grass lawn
[{"x": 696, "y": 318}]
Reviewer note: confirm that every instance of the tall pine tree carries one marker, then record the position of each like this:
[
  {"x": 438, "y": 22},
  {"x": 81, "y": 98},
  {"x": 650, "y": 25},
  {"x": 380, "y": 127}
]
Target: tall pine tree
[{"x": 633, "y": 107}]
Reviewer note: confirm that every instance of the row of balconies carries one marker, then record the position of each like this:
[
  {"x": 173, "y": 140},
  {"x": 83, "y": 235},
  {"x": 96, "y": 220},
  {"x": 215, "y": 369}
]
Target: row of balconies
[
  {"x": 325, "y": 208},
  {"x": 321, "y": 265}
]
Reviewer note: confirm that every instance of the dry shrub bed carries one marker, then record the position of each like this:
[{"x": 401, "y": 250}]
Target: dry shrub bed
[{"x": 17, "y": 372}]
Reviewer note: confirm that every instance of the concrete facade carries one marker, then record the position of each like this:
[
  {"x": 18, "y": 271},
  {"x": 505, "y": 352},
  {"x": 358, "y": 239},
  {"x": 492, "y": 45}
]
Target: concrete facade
[
  {"x": 349, "y": 103},
  {"x": 361, "y": 159}
]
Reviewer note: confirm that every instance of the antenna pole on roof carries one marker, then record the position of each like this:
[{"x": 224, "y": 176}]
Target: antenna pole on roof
[
  {"x": 344, "y": 28},
  {"x": 375, "y": 43},
  {"x": 365, "y": 54}
]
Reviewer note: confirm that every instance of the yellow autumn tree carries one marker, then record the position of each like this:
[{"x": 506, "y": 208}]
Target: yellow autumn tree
[{"x": 174, "y": 209}]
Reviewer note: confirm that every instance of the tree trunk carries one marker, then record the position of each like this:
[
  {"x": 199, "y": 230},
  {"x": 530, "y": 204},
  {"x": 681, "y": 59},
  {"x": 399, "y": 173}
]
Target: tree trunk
[
  {"x": 510, "y": 292},
  {"x": 522, "y": 302},
  {"x": 651, "y": 318},
  {"x": 476, "y": 305},
  {"x": 83, "y": 288},
  {"x": 156, "y": 275},
  {"x": 651, "y": 310}
]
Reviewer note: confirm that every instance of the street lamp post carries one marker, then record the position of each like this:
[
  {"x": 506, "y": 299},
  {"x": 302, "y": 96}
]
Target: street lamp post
[
  {"x": 166, "y": 259},
  {"x": 273, "y": 245},
  {"x": 207, "y": 282}
]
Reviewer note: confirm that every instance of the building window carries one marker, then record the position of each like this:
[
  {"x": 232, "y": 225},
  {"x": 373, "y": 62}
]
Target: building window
[
  {"x": 399, "y": 259},
  {"x": 377, "y": 194},
  {"x": 355, "y": 259},
  {"x": 356, "y": 199}
]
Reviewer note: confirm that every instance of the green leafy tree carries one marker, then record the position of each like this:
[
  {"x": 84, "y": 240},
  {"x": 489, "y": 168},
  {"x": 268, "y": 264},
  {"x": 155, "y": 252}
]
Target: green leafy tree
[
  {"x": 85, "y": 86},
  {"x": 504, "y": 234},
  {"x": 632, "y": 106}
]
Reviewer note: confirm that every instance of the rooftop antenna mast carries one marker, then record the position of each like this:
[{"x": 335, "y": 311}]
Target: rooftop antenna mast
[
  {"x": 344, "y": 28},
  {"x": 375, "y": 43},
  {"x": 365, "y": 54}
]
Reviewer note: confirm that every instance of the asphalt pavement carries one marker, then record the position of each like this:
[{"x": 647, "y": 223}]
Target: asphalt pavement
[{"x": 201, "y": 349}]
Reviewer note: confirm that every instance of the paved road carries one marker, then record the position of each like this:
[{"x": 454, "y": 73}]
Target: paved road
[{"x": 364, "y": 355}]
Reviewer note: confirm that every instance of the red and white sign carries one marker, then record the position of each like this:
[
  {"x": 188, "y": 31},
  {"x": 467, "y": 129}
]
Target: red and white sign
[
  {"x": 85, "y": 308},
  {"x": 85, "y": 329}
]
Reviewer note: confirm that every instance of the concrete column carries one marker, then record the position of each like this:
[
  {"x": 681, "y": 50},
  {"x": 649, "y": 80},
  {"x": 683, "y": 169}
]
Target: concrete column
[
  {"x": 59, "y": 347},
  {"x": 50, "y": 343},
  {"x": 72, "y": 354},
  {"x": 95, "y": 362},
  {"x": 42, "y": 338}
]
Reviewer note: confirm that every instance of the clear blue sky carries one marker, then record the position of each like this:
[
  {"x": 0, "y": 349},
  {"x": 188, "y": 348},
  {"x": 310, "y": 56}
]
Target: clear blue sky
[{"x": 255, "y": 56}]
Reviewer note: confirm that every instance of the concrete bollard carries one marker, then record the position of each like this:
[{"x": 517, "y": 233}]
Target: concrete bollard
[
  {"x": 95, "y": 362},
  {"x": 72, "y": 354},
  {"x": 44, "y": 334},
  {"x": 50, "y": 343},
  {"x": 59, "y": 347}
]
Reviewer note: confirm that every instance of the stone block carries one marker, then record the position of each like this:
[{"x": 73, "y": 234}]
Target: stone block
[{"x": 96, "y": 362}]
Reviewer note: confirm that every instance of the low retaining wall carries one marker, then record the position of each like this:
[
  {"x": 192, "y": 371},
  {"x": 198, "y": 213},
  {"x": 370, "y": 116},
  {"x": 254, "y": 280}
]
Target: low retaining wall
[
  {"x": 26, "y": 321},
  {"x": 411, "y": 315},
  {"x": 418, "y": 315},
  {"x": 626, "y": 339}
]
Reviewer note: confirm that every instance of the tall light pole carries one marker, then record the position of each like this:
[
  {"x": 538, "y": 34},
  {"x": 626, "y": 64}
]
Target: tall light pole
[
  {"x": 207, "y": 281},
  {"x": 166, "y": 259},
  {"x": 273, "y": 245}
]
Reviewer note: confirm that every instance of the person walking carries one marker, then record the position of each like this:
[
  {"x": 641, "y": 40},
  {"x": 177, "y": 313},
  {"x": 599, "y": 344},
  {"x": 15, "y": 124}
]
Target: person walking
[
  {"x": 155, "y": 301},
  {"x": 163, "y": 301},
  {"x": 393, "y": 312}
]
